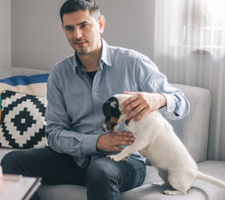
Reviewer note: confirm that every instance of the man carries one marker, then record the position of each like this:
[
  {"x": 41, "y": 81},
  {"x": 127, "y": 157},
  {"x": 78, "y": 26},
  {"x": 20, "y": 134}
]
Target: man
[{"x": 77, "y": 88}]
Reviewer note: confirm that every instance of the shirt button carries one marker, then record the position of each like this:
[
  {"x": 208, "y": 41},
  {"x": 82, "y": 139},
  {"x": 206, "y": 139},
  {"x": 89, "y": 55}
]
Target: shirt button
[{"x": 95, "y": 93}]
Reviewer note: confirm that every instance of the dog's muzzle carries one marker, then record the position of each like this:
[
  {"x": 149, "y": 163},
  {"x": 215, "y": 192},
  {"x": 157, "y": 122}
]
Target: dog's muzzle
[{"x": 110, "y": 123}]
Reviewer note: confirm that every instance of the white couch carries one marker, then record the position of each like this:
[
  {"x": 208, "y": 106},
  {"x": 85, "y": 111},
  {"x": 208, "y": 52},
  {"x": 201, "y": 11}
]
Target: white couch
[{"x": 193, "y": 132}]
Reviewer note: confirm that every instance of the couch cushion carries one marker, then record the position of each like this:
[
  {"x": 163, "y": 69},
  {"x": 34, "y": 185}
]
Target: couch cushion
[
  {"x": 23, "y": 122},
  {"x": 200, "y": 190}
]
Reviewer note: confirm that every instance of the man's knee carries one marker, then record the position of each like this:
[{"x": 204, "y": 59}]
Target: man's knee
[
  {"x": 101, "y": 177},
  {"x": 100, "y": 170},
  {"x": 9, "y": 161}
]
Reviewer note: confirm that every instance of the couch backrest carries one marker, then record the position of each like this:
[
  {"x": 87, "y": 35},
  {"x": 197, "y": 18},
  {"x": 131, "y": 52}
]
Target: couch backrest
[
  {"x": 193, "y": 130},
  {"x": 17, "y": 71}
]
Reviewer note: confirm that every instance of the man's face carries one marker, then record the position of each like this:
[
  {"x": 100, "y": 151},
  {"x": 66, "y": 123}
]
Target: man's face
[{"x": 83, "y": 31}]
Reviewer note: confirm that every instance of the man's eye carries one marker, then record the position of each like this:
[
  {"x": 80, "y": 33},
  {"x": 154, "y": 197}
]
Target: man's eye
[
  {"x": 69, "y": 28},
  {"x": 83, "y": 25}
]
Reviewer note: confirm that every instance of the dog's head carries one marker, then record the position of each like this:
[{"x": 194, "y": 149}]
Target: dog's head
[{"x": 112, "y": 112}]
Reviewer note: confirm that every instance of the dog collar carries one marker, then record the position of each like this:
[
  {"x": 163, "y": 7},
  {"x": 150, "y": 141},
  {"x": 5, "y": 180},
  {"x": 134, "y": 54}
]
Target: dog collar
[{"x": 127, "y": 121}]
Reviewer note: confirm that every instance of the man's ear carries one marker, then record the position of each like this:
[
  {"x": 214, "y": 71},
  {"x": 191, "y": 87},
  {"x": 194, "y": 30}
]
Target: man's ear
[
  {"x": 62, "y": 27},
  {"x": 101, "y": 23}
]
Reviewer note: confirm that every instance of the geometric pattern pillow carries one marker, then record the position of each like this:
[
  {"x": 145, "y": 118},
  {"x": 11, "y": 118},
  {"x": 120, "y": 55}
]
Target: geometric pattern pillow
[
  {"x": 23, "y": 121},
  {"x": 33, "y": 85}
]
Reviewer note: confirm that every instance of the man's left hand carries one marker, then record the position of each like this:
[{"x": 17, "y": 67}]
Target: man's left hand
[{"x": 141, "y": 103}]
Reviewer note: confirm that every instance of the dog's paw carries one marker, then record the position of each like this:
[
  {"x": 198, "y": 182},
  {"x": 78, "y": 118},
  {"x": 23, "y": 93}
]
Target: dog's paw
[
  {"x": 158, "y": 183},
  {"x": 172, "y": 192},
  {"x": 126, "y": 157},
  {"x": 113, "y": 157}
]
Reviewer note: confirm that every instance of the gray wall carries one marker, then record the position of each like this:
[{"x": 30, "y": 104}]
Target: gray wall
[
  {"x": 5, "y": 34},
  {"x": 37, "y": 40},
  {"x": 129, "y": 23}
]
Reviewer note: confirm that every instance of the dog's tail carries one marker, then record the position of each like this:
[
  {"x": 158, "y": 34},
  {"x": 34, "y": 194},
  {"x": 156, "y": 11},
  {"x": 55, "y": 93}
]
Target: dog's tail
[{"x": 211, "y": 179}]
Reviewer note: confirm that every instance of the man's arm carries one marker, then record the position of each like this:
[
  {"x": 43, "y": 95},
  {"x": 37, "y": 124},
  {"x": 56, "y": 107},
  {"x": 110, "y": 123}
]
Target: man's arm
[
  {"x": 155, "y": 94},
  {"x": 142, "y": 103}
]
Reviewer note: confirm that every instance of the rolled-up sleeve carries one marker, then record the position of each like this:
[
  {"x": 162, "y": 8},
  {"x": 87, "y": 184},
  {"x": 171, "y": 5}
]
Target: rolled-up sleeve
[{"x": 152, "y": 80}]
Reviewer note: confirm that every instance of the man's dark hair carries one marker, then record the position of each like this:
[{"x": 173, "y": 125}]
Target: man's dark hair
[{"x": 71, "y": 6}]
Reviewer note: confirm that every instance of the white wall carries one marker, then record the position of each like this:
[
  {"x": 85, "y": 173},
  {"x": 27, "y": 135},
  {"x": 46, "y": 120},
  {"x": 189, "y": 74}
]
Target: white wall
[
  {"x": 5, "y": 34},
  {"x": 129, "y": 23},
  {"x": 37, "y": 38},
  {"x": 39, "y": 42}
]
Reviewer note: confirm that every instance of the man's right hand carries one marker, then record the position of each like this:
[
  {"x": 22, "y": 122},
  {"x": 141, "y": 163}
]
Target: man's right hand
[{"x": 111, "y": 142}]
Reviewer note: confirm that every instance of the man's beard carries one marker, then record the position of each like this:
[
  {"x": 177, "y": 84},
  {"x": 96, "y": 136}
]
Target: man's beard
[{"x": 81, "y": 50}]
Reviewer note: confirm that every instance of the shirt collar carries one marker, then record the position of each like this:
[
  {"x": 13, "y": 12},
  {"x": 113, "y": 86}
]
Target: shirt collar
[
  {"x": 76, "y": 66},
  {"x": 106, "y": 53},
  {"x": 105, "y": 57}
]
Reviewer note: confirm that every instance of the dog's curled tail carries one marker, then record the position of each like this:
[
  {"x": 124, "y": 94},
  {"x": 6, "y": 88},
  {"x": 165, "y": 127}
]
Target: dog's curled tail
[{"x": 211, "y": 179}]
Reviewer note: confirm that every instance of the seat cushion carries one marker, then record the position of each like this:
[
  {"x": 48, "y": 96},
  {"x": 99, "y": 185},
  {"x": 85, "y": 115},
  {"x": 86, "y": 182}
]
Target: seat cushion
[{"x": 201, "y": 190}]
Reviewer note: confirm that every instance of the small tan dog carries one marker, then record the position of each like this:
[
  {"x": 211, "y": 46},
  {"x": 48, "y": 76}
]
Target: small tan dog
[{"x": 156, "y": 140}]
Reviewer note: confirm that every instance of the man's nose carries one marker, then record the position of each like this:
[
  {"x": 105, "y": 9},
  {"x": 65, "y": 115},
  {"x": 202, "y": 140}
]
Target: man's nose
[{"x": 77, "y": 33}]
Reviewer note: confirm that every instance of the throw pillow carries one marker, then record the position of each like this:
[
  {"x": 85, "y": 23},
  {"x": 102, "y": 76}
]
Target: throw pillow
[
  {"x": 34, "y": 85},
  {"x": 23, "y": 121}
]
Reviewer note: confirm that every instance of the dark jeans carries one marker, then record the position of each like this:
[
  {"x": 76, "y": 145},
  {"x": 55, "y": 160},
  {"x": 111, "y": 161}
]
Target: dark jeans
[{"x": 104, "y": 178}]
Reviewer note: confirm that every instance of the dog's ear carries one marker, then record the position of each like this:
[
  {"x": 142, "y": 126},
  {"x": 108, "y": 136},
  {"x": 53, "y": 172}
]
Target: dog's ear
[
  {"x": 106, "y": 108},
  {"x": 114, "y": 107},
  {"x": 115, "y": 112},
  {"x": 111, "y": 107}
]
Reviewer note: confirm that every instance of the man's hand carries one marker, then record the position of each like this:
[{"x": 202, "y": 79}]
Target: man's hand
[
  {"x": 142, "y": 103},
  {"x": 111, "y": 142}
]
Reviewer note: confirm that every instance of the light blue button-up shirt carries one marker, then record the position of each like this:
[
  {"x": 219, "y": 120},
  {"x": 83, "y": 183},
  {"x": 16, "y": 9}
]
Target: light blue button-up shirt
[{"x": 74, "y": 112}]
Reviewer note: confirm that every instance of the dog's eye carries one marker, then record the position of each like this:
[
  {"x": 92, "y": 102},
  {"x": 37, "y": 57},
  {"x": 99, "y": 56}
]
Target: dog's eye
[{"x": 113, "y": 104}]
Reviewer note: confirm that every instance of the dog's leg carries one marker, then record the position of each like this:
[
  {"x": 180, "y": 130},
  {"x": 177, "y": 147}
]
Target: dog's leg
[
  {"x": 158, "y": 183},
  {"x": 127, "y": 157},
  {"x": 180, "y": 181},
  {"x": 173, "y": 192},
  {"x": 164, "y": 176},
  {"x": 127, "y": 151}
]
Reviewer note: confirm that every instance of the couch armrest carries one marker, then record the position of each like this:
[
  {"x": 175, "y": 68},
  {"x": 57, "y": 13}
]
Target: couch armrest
[{"x": 193, "y": 130}]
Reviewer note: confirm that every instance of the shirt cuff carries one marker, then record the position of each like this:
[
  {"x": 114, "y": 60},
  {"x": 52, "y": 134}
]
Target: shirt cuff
[
  {"x": 89, "y": 144},
  {"x": 170, "y": 104}
]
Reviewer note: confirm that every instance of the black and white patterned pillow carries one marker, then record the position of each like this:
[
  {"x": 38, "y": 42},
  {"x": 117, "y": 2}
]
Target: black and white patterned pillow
[{"x": 23, "y": 122}]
